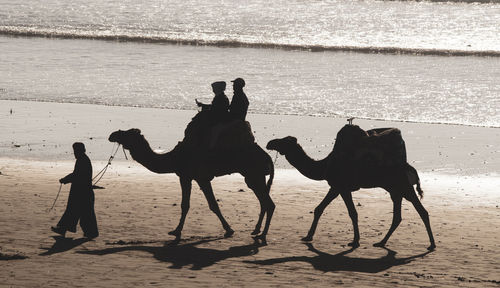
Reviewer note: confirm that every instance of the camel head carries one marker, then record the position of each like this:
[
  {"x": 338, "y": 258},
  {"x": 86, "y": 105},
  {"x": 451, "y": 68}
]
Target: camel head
[
  {"x": 283, "y": 145},
  {"x": 126, "y": 138}
]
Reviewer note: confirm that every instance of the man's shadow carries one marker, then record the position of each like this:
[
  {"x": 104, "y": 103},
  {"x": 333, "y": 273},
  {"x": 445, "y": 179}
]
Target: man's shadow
[
  {"x": 188, "y": 254},
  {"x": 63, "y": 244},
  {"x": 340, "y": 262}
]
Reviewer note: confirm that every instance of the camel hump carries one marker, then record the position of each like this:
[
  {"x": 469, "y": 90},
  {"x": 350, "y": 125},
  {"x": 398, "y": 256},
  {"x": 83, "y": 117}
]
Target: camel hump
[
  {"x": 235, "y": 134},
  {"x": 229, "y": 134},
  {"x": 348, "y": 139},
  {"x": 375, "y": 147}
]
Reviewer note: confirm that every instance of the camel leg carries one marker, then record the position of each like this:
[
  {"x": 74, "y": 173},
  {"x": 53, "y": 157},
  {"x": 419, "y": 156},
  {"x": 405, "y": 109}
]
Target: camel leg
[
  {"x": 318, "y": 211},
  {"x": 396, "y": 218},
  {"x": 252, "y": 184},
  {"x": 270, "y": 206},
  {"x": 347, "y": 197},
  {"x": 186, "y": 195},
  {"x": 256, "y": 230},
  {"x": 206, "y": 187},
  {"x": 267, "y": 205},
  {"x": 424, "y": 215}
]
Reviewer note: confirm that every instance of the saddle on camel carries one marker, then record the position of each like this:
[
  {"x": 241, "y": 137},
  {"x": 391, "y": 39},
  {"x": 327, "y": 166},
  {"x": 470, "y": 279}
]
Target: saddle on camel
[
  {"x": 381, "y": 147},
  {"x": 226, "y": 134}
]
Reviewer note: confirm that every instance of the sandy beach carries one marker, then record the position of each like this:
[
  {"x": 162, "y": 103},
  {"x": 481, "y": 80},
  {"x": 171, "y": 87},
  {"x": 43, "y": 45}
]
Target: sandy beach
[{"x": 459, "y": 167}]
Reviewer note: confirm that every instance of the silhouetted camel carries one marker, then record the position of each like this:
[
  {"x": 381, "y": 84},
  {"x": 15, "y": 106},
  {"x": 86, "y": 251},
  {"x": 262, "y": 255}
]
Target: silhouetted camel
[
  {"x": 345, "y": 177},
  {"x": 191, "y": 164}
]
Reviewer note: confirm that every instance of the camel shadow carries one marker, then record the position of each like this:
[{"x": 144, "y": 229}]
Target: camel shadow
[
  {"x": 340, "y": 262},
  {"x": 182, "y": 255},
  {"x": 63, "y": 244}
]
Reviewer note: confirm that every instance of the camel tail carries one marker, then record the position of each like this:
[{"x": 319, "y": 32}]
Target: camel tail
[
  {"x": 415, "y": 180},
  {"x": 271, "y": 175},
  {"x": 419, "y": 190}
]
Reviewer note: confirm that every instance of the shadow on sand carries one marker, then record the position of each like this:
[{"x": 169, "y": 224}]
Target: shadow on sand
[
  {"x": 63, "y": 244},
  {"x": 340, "y": 262},
  {"x": 8, "y": 257},
  {"x": 181, "y": 255}
]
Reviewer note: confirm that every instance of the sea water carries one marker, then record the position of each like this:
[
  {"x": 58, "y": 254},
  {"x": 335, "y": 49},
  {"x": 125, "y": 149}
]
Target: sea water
[{"x": 422, "y": 61}]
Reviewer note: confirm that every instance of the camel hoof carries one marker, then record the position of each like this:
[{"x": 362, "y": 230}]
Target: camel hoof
[
  {"x": 379, "y": 244},
  {"x": 307, "y": 238},
  {"x": 353, "y": 244},
  {"x": 432, "y": 247},
  {"x": 175, "y": 233},
  {"x": 228, "y": 233},
  {"x": 261, "y": 238},
  {"x": 255, "y": 232}
]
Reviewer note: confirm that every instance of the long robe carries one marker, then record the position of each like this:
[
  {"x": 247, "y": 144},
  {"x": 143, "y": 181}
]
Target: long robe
[{"x": 81, "y": 199}]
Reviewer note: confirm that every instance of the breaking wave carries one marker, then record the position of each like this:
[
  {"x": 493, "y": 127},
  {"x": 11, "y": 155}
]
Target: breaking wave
[{"x": 109, "y": 36}]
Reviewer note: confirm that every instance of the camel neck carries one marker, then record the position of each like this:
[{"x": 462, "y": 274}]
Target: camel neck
[
  {"x": 155, "y": 162},
  {"x": 313, "y": 169}
]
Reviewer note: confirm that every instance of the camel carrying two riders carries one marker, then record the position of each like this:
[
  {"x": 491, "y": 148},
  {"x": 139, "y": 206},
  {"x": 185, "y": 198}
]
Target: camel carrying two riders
[{"x": 218, "y": 141}]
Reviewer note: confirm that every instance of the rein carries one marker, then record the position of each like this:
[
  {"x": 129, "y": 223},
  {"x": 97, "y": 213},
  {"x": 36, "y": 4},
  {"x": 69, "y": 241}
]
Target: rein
[
  {"x": 275, "y": 158},
  {"x": 123, "y": 148},
  {"x": 101, "y": 173}
]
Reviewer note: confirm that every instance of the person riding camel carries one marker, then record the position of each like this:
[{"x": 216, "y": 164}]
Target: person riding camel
[
  {"x": 223, "y": 117},
  {"x": 239, "y": 104},
  {"x": 220, "y": 103}
]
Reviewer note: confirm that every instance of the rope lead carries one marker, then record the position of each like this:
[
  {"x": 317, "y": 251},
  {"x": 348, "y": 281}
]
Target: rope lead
[
  {"x": 53, "y": 204},
  {"x": 106, "y": 167}
]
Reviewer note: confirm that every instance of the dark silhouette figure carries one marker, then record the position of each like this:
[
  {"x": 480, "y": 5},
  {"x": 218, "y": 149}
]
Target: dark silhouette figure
[
  {"x": 190, "y": 162},
  {"x": 359, "y": 163},
  {"x": 220, "y": 103},
  {"x": 187, "y": 255},
  {"x": 217, "y": 114},
  {"x": 340, "y": 262},
  {"x": 239, "y": 103},
  {"x": 80, "y": 205}
]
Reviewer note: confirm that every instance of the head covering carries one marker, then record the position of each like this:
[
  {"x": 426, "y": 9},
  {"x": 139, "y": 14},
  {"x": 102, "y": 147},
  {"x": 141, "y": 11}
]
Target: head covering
[
  {"x": 219, "y": 86},
  {"x": 239, "y": 82},
  {"x": 79, "y": 147}
]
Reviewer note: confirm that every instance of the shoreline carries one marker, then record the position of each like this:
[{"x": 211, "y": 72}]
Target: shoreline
[
  {"x": 34, "y": 129},
  {"x": 269, "y": 114}
]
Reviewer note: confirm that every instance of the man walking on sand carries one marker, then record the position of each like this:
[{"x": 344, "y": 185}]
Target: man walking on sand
[{"x": 80, "y": 205}]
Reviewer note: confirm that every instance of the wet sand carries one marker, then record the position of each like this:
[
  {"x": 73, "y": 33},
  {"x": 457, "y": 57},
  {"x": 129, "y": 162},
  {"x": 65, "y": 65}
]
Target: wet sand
[{"x": 459, "y": 168}]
